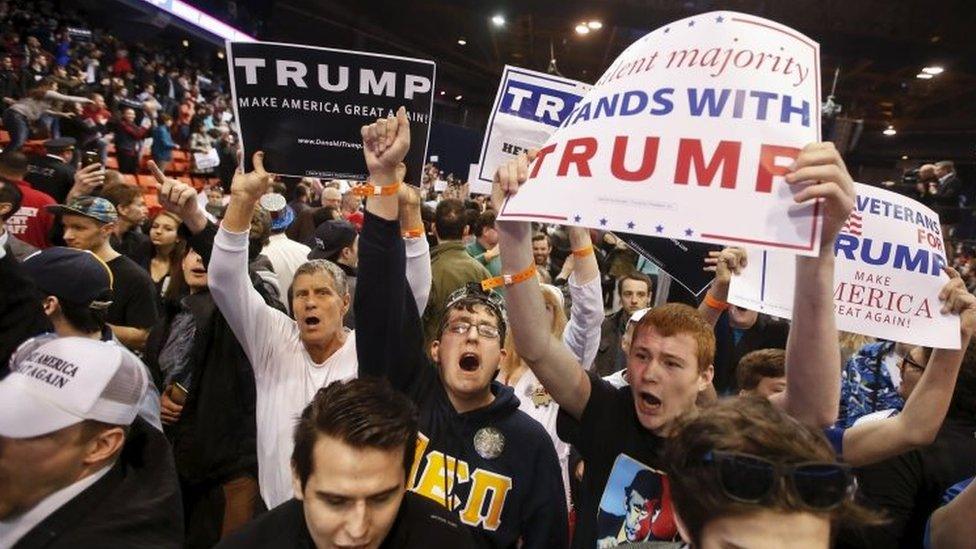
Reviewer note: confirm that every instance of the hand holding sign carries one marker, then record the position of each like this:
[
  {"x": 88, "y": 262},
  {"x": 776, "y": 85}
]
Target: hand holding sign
[
  {"x": 822, "y": 164},
  {"x": 724, "y": 264},
  {"x": 956, "y": 299},
  {"x": 252, "y": 185},
  {"x": 385, "y": 144},
  {"x": 510, "y": 176}
]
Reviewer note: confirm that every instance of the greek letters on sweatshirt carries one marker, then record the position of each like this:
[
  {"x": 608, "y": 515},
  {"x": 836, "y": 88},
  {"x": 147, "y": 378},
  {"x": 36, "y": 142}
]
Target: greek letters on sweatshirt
[{"x": 516, "y": 495}]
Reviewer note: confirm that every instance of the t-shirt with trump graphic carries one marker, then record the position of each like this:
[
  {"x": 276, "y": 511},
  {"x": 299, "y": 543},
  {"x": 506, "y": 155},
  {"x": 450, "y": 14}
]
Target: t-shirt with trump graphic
[{"x": 626, "y": 496}]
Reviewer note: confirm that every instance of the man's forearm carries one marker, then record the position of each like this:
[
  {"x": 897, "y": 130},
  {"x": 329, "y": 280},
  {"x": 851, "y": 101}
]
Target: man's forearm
[
  {"x": 523, "y": 300},
  {"x": 558, "y": 370},
  {"x": 133, "y": 338},
  {"x": 813, "y": 350},
  {"x": 237, "y": 218}
]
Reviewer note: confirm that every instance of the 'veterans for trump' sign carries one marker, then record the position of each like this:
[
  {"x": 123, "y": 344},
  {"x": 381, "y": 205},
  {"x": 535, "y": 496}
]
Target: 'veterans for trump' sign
[{"x": 887, "y": 278}]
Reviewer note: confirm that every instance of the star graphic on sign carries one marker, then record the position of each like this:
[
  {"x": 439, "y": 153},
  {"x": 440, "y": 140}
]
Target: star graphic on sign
[
  {"x": 630, "y": 224},
  {"x": 691, "y": 23},
  {"x": 667, "y": 30},
  {"x": 578, "y": 218},
  {"x": 719, "y": 19},
  {"x": 689, "y": 232},
  {"x": 659, "y": 228},
  {"x": 603, "y": 221}
]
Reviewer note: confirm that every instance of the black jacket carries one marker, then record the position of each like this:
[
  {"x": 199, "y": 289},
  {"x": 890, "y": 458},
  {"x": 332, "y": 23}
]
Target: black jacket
[
  {"x": 50, "y": 175},
  {"x": 21, "y": 315},
  {"x": 609, "y": 356},
  {"x": 136, "y": 504},
  {"x": 215, "y": 439},
  {"x": 766, "y": 333},
  {"x": 420, "y": 524},
  {"x": 513, "y": 496},
  {"x": 909, "y": 487}
]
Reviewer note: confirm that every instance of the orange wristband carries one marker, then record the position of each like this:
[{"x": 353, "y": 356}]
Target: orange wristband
[
  {"x": 368, "y": 189},
  {"x": 413, "y": 233},
  {"x": 713, "y": 303},
  {"x": 583, "y": 252},
  {"x": 508, "y": 280}
]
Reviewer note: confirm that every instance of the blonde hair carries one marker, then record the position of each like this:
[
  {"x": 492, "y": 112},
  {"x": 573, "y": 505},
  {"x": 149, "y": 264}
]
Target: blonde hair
[{"x": 553, "y": 299}]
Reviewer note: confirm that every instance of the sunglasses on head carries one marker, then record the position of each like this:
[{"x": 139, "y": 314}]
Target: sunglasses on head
[{"x": 746, "y": 478}]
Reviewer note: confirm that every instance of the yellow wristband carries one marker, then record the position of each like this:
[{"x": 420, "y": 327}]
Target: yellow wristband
[
  {"x": 507, "y": 280},
  {"x": 369, "y": 189}
]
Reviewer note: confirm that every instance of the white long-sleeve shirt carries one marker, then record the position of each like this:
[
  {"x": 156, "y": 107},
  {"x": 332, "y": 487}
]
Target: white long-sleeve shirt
[{"x": 286, "y": 378}]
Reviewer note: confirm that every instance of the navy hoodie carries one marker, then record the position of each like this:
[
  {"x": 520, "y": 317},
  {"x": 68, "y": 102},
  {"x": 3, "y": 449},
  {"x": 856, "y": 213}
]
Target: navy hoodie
[{"x": 516, "y": 496}]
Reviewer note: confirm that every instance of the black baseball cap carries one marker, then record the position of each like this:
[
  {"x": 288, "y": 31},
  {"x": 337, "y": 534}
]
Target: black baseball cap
[
  {"x": 74, "y": 276},
  {"x": 59, "y": 144},
  {"x": 330, "y": 238}
]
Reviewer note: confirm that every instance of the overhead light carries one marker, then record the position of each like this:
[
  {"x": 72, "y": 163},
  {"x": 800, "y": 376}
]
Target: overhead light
[
  {"x": 582, "y": 29},
  {"x": 462, "y": 42},
  {"x": 458, "y": 97},
  {"x": 443, "y": 92},
  {"x": 924, "y": 76},
  {"x": 934, "y": 70},
  {"x": 498, "y": 20},
  {"x": 186, "y": 43},
  {"x": 890, "y": 130},
  {"x": 220, "y": 55},
  {"x": 904, "y": 157},
  {"x": 595, "y": 25}
]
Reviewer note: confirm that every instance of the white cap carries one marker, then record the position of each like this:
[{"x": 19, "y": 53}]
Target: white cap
[{"x": 68, "y": 380}]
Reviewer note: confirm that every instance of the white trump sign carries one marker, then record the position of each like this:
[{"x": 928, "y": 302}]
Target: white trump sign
[
  {"x": 687, "y": 135},
  {"x": 887, "y": 277},
  {"x": 529, "y": 106}
]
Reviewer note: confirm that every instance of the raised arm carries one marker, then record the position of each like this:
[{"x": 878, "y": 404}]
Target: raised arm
[
  {"x": 246, "y": 312},
  {"x": 383, "y": 308},
  {"x": 730, "y": 261},
  {"x": 554, "y": 365},
  {"x": 812, "y": 350},
  {"x": 419, "y": 273},
  {"x": 582, "y": 333},
  {"x": 952, "y": 525},
  {"x": 920, "y": 419}
]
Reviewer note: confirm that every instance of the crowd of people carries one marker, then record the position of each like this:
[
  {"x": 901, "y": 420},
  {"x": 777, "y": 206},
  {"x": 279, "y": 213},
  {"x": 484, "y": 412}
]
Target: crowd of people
[{"x": 274, "y": 363}]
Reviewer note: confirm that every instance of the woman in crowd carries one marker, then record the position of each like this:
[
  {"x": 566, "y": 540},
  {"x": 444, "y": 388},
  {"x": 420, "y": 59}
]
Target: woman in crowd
[
  {"x": 200, "y": 144},
  {"x": 167, "y": 251},
  {"x": 162, "y": 142}
]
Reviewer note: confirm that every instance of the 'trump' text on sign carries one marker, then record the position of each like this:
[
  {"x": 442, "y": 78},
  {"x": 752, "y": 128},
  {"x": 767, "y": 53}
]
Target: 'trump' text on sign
[
  {"x": 686, "y": 136},
  {"x": 304, "y": 106},
  {"x": 887, "y": 280}
]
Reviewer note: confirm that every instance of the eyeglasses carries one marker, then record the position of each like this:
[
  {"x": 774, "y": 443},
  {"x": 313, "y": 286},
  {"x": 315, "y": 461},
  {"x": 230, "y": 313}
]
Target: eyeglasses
[
  {"x": 746, "y": 478},
  {"x": 485, "y": 330},
  {"x": 906, "y": 360}
]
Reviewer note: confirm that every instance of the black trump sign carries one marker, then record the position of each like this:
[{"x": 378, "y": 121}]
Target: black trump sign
[{"x": 304, "y": 106}]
